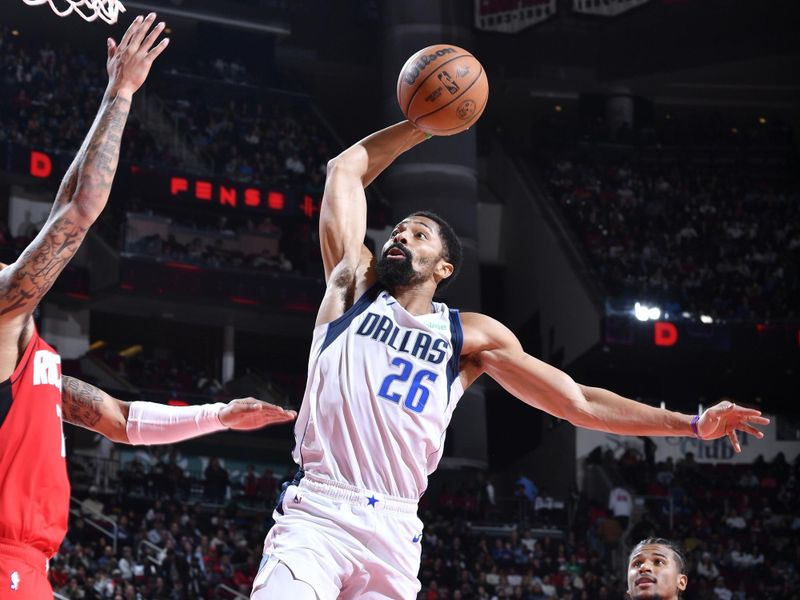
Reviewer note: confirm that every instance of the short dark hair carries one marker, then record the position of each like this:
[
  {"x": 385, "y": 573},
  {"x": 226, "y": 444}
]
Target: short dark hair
[
  {"x": 453, "y": 252},
  {"x": 674, "y": 546}
]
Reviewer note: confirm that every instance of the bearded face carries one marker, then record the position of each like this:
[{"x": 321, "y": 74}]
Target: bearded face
[{"x": 395, "y": 267}]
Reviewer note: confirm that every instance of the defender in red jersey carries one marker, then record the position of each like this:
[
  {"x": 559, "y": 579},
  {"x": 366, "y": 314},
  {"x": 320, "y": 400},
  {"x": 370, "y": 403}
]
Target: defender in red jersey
[{"x": 34, "y": 396}]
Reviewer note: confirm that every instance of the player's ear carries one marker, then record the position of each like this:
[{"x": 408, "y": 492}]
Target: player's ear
[
  {"x": 444, "y": 269},
  {"x": 683, "y": 581}
]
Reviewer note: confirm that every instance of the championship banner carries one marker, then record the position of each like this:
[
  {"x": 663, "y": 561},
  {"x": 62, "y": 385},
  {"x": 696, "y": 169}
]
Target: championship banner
[
  {"x": 605, "y": 8},
  {"x": 511, "y": 16}
]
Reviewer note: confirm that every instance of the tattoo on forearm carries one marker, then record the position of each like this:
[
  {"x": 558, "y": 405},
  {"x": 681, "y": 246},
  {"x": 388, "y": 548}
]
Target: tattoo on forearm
[
  {"x": 41, "y": 263},
  {"x": 101, "y": 154},
  {"x": 82, "y": 403},
  {"x": 87, "y": 184}
]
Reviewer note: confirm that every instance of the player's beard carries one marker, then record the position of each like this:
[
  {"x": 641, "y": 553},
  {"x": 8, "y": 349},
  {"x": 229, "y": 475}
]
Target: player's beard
[{"x": 393, "y": 273}]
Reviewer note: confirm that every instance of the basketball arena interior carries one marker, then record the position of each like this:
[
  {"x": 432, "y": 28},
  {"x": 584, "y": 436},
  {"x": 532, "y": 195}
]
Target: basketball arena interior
[{"x": 628, "y": 205}]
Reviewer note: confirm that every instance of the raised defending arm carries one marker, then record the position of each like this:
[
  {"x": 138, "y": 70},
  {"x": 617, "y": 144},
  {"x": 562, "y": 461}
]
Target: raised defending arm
[{"x": 86, "y": 186}]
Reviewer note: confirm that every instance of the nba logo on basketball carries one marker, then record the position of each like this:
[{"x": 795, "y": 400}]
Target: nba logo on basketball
[
  {"x": 46, "y": 369},
  {"x": 448, "y": 82}
]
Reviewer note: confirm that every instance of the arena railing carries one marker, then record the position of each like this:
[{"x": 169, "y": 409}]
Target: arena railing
[
  {"x": 158, "y": 550},
  {"x": 79, "y": 511},
  {"x": 225, "y": 589}
]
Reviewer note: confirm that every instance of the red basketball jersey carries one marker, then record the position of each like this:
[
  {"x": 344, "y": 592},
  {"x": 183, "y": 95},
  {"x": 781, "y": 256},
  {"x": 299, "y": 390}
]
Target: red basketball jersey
[{"x": 34, "y": 489}]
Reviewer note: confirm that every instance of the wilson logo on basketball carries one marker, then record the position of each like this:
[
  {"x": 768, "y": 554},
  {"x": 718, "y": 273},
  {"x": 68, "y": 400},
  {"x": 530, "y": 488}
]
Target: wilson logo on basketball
[{"x": 422, "y": 62}]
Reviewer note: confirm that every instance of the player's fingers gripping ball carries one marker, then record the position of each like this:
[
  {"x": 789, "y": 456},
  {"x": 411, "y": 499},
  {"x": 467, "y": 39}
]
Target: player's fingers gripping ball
[{"x": 442, "y": 89}]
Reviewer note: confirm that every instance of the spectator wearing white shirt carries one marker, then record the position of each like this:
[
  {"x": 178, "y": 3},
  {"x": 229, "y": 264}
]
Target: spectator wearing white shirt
[
  {"x": 706, "y": 567},
  {"x": 620, "y": 503},
  {"x": 721, "y": 591},
  {"x": 735, "y": 521}
]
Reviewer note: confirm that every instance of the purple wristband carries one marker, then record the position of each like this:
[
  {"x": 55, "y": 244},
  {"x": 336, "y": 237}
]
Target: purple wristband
[{"x": 695, "y": 419}]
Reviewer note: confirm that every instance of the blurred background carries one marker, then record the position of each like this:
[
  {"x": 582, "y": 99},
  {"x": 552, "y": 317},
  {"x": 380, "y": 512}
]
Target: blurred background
[{"x": 629, "y": 207}]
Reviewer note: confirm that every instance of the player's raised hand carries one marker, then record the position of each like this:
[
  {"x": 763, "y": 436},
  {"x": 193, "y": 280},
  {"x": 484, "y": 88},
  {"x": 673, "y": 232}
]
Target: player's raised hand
[
  {"x": 249, "y": 413},
  {"x": 129, "y": 62},
  {"x": 726, "y": 418}
]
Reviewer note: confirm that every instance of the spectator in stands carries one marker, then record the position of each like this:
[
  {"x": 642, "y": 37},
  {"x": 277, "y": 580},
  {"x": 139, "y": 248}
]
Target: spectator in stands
[
  {"x": 620, "y": 503},
  {"x": 268, "y": 486},
  {"x": 92, "y": 506},
  {"x": 216, "y": 482},
  {"x": 706, "y": 567},
  {"x": 721, "y": 591},
  {"x": 526, "y": 490}
]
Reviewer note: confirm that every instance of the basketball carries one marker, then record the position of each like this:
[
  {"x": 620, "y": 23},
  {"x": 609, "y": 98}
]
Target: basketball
[{"x": 442, "y": 89}]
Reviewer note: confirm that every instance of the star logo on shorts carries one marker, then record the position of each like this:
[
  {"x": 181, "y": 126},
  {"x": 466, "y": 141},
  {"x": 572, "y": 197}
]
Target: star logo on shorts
[{"x": 372, "y": 501}]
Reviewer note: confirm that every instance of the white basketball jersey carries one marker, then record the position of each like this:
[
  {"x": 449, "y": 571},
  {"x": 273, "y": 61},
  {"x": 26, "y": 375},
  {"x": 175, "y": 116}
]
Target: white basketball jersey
[{"x": 382, "y": 386}]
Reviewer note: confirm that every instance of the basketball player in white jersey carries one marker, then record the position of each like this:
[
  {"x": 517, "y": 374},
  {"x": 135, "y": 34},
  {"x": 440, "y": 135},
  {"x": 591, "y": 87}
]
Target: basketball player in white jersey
[{"x": 387, "y": 368}]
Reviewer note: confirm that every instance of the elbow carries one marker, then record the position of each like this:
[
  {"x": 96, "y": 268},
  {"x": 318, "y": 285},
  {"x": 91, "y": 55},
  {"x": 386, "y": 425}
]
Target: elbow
[
  {"x": 578, "y": 408},
  {"x": 332, "y": 165},
  {"x": 84, "y": 209},
  {"x": 353, "y": 160}
]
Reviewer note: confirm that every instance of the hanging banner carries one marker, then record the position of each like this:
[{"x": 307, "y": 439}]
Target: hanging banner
[
  {"x": 605, "y": 8},
  {"x": 511, "y": 16}
]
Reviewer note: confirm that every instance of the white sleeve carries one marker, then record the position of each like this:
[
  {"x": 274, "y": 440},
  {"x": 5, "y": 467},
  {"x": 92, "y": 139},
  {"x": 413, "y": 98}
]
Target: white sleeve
[{"x": 151, "y": 423}]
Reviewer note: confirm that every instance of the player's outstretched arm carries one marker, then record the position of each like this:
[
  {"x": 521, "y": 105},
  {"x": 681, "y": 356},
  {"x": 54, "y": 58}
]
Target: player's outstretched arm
[
  {"x": 491, "y": 348},
  {"x": 86, "y": 185},
  {"x": 146, "y": 423},
  {"x": 343, "y": 217}
]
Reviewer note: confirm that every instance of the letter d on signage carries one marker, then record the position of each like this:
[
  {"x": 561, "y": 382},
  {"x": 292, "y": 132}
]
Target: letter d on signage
[
  {"x": 666, "y": 334},
  {"x": 41, "y": 165}
]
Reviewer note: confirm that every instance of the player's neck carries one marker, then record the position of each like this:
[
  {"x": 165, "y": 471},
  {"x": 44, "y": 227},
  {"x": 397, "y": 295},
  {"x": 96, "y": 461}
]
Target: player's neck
[{"x": 417, "y": 300}]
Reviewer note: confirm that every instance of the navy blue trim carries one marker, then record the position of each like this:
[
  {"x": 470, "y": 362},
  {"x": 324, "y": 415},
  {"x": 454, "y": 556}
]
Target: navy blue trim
[
  {"x": 457, "y": 341},
  {"x": 338, "y": 326},
  {"x": 296, "y": 481}
]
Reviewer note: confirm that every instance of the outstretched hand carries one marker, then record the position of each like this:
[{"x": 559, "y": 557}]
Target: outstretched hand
[
  {"x": 726, "y": 418},
  {"x": 248, "y": 413},
  {"x": 129, "y": 62}
]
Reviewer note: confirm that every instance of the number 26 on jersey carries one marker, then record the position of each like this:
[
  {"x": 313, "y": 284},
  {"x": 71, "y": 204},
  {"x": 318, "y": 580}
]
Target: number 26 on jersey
[{"x": 414, "y": 395}]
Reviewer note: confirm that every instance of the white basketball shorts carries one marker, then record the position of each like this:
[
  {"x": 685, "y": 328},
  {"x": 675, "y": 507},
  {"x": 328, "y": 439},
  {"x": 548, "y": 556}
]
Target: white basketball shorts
[{"x": 345, "y": 542}]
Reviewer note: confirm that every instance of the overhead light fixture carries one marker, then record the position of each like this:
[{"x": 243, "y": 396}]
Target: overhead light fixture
[
  {"x": 646, "y": 313},
  {"x": 706, "y": 319}
]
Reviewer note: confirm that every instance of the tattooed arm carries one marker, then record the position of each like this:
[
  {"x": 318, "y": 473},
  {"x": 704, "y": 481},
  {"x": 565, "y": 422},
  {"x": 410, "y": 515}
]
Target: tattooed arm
[
  {"x": 86, "y": 186},
  {"x": 86, "y": 406}
]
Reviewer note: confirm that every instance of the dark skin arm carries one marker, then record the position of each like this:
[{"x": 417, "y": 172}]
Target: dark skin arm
[
  {"x": 83, "y": 193},
  {"x": 86, "y": 406},
  {"x": 91, "y": 408}
]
